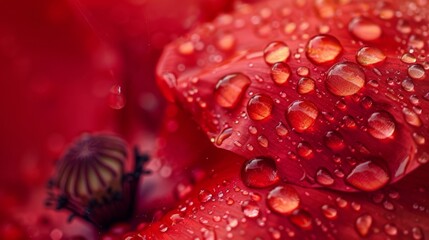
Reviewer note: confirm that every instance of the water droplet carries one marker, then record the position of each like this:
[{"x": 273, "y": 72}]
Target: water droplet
[
  {"x": 417, "y": 233},
  {"x": 302, "y": 115},
  {"x": 283, "y": 199},
  {"x": 324, "y": 177},
  {"x": 368, "y": 176},
  {"x": 186, "y": 48},
  {"x": 329, "y": 211},
  {"x": 301, "y": 218},
  {"x": 334, "y": 141},
  {"x": 226, "y": 133},
  {"x": 323, "y": 49},
  {"x": 253, "y": 130},
  {"x": 226, "y": 41},
  {"x": 364, "y": 29},
  {"x": 326, "y": 8},
  {"x": 408, "y": 58},
  {"x": 230, "y": 89},
  {"x": 408, "y": 85},
  {"x": 390, "y": 229},
  {"x": 363, "y": 224},
  {"x": 263, "y": 141},
  {"x": 381, "y": 125},
  {"x": 260, "y": 107},
  {"x": 259, "y": 173},
  {"x": 250, "y": 209},
  {"x": 304, "y": 150},
  {"x": 276, "y": 52},
  {"x": 419, "y": 139},
  {"x": 345, "y": 79},
  {"x": 411, "y": 117},
  {"x": 416, "y": 72},
  {"x": 281, "y": 130},
  {"x": 306, "y": 85},
  {"x": 163, "y": 228},
  {"x": 116, "y": 97},
  {"x": 368, "y": 56},
  {"x": 205, "y": 196},
  {"x": 280, "y": 73},
  {"x": 303, "y": 71}
]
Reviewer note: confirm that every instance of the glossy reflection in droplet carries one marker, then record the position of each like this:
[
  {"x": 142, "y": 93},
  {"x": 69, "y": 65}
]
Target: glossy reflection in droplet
[
  {"x": 283, "y": 199},
  {"x": 230, "y": 89},
  {"x": 276, "y": 52},
  {"x": 381, "y": 125},
  {"x": 368, "y": 176},
  {"x": 323, "y": 49},
  {"x": 364, "y": 29},
  {"x": 363, "y": 224},
  {"x": 250, "y": 209},
  {"x": 280, "y": 73},
  {"x": 368, "y": 56},
  {"x": 301, "y": 115},
  {"x": 260, "y": 107},
  {"x": 345, "y": 79},
  {"x": 259, "y": 173}
]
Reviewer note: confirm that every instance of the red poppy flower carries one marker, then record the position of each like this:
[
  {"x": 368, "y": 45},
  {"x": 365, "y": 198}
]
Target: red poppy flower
[{"x": 290, "y": 119}]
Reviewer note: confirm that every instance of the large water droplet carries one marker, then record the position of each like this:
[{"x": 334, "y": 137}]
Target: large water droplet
[
  {"x": 260, "y": 107},
  {"x": 230, "y": 89},
  {"x": 280, "y": 73},
  {"x": 411, "y": 117},
  {"x": 306, "y": 85},
  {"x": 368, "y": 56},
  {"x": 323, "y": 49},
  {"x": 381, "y": 125},
  {"x": 345, "y": 79},
  {"x": 276, "y": 52},
  {"x": 260, "y": 173},
  {"x": 417, "y": 72},
  {"x": 250, "y": 209},
  {"x": 301, "y": 115},
  {"x": 283, "y": 199},
  {"x": 368, "y": 176},
  {"x": 363, "y": 224},
  {"x": 364, "y": 29}
]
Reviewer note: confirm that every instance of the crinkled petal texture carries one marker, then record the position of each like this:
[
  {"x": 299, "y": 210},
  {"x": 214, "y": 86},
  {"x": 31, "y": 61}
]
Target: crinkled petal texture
[
  {"x": 336, "y": 92},
  {"x": 220, "y": 205}
]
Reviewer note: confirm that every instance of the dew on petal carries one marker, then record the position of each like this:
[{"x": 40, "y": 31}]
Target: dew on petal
[
  {"x": 324, "y": 177},
  {"x": 368, "y": 176},
  {"x": 368, "y": 56},
  {"x": 334, "y": 140},
  {"x": 416, "y": 72},
  {"x": 411, "y": 117},
  {"x": 260, "y": 173},
  {"x": 390, "y": 229},
  {"x": 250, "y": 209},
  {"x": 226, "y": 133},
  {"x": 364, "y": 29},
  {"x": 417, "y": 233},
  {"x": 283, "y": 199},
  {"x": 304, "y": 150},
  {"x": 301, "y": 115},
  {"x": 280, "y": 73},
  {"x": 408, "y": 58},
  {"x": 329, "y": 211},
  {"x": 116, "y": 97},
  {"x": 306, "y": 85},
  {"x": 363, "y": 224},
  {"x": 205, "y": 196},
  {"x": 260, "y": 107},
  {"x": 281, "y": 130},
  {"x": 276, "y": 52},
  {"x": 230, "y": 89},
  {"x": 323, "y": 49},
  {"x": 381, "y": 125},
  {"x": 345, "y": 79},
  {"x": 302, "y": 219}
]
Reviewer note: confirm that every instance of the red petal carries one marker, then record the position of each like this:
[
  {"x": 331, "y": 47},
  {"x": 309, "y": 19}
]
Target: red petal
[
  {"x": 221, "y": 206},
  {"x": 328, "y": 112}
]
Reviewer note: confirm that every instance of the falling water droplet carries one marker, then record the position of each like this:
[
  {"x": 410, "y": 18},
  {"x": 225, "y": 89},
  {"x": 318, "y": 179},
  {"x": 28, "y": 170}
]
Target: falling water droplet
[
  {"x": 368, "y": 176},
  {"x": 260, "y": 107},
  {"x": 301, "y": 115},
  {"x": 381, "y": 125},
  {"x": 283, "y": 199},
  {"x": 276, "y": 52},
  {"x": 259, "y": 173},
  {"x": 230, "y": 89},
  {"x": 345, "y": 79},
  {"x": 323, "y": 49}
]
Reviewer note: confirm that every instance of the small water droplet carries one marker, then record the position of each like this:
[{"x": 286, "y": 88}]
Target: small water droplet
[
  {"x": 411, "y": 117},
  {"x": 283, "y": 199},
  {"x": 363, "y": 224},
  {"x": 417, "y": 233},
  {"x": 301, "y": 115},
  {"x": 226, "y": 133},
  {"x": 280, "y": 73},
  {"x": 306, "y": 85},
  {"x": 163, "y": 228},
  {"x": 329, "y": 211},
  {"x": 263, "y": 141},
  {"x": 368, "y": 176},
  {"x": 381, "y": 125},
  {"x": 226, "y": 41},
  {"x": 230, "y": 89},
  {"x": 419, "y": 139},
  {"x": 345, "y": 79},
  {"x": 323, "y": 49},
  {"x": 304, "y": 150},
  {"x": 368, "y": 56},
  {"x": 334, "y": 140},
  {"x": 364, "y": 29},
  {"x": 302, "y": 219},
  {"x": 303, "y": 71},
  {"x": 281, "y": 130},
  {"x": 416, "y": 72},
  {"x": 116, "y": 97},
  {"x": 390, "y": 229},
  {"x": 259, "y": 173},
  {"x": 324, "y": 177},
  {"x": 186, "y": 48},
  {"x": 205, "y": 196},
  {"x": 276, "y": 52},
  {"x": 250, "y": 209},
  {"x": 260, "y": 107},
  {"x": 408, "y": 58}
]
